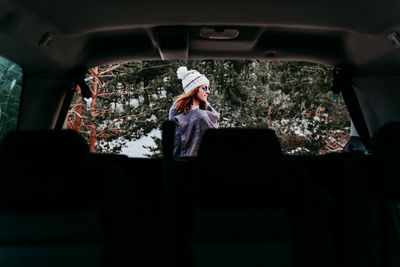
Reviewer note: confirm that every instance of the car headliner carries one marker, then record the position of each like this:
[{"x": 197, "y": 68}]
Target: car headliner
[{"x": 51, "y": 37}]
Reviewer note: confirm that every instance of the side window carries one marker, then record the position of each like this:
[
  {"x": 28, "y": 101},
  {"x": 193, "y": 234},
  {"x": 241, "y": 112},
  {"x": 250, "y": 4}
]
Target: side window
[{"x": 10, "y": 93}]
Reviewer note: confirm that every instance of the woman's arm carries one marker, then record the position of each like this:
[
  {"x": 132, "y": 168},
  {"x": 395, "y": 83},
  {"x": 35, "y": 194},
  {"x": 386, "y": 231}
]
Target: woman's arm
[
  {"x": 172, "y": 112},
  {"x": 209, "y": 107}
]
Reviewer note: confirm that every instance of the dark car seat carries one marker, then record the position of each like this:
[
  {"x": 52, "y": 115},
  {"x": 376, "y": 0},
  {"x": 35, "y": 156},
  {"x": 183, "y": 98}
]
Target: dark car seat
[
  {"x": 371, "y": 197},
  {"x": 49, "y": 213},
  {"x": 250, "y": 207},
  {"x": 133, "y": 188},
  {"x": 385, "y": 237}
]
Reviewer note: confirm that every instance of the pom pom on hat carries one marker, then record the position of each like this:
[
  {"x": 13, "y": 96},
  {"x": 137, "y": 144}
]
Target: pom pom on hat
[
  {"x": 182, "y": 73},
  {"x": 191, "y": 79}
]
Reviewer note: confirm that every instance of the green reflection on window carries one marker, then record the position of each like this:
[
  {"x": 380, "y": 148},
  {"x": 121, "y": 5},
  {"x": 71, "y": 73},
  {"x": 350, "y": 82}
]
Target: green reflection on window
[{"x": 10, "y": 94}]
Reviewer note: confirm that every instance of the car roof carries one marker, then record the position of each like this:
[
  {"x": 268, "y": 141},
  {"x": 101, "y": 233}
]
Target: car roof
[{"x": 47, "y": 35}]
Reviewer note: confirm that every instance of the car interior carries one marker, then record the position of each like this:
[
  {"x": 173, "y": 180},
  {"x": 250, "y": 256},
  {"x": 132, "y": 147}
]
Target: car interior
[{"x": 240, "y": 202}]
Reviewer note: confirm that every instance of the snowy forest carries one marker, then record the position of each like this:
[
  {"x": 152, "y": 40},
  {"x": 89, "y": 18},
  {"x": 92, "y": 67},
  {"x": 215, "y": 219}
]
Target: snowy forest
[{"x": 130, "y": 100}]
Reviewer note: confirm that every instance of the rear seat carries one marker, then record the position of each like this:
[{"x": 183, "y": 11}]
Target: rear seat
[
  {"x": 387, "y": 175},
  {"x": 82, "y": 209},
  {"x": 49, "y": 210},
  {"x": 371, "y": 195},
  {"x": 377, "y": 237},
  {"x": 329, "y": 172},
  {"x": 134, "y": 208},
  {"x": 225, "y": 214},
  {"x": 248, "y": 206}
]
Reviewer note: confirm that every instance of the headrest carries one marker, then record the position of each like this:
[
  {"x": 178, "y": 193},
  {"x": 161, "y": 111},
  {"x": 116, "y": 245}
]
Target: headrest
[
  {"x": 241, "y": 167},
  {"x": 386, "y": 139},
  {"x": 167, "y": 140},
  {"x": 44, "y": 168},
  {"x": 65, "y": 143},
  {"x": 239, "y": 143}
]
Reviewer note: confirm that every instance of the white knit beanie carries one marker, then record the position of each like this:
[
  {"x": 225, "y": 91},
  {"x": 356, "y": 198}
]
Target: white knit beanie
[{"x": 191, "y": 79}]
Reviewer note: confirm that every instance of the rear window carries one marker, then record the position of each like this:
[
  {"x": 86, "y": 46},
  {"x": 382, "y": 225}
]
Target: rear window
[
  {"x": 130, "y": 100},
  {"x": 10, "y": 93}
]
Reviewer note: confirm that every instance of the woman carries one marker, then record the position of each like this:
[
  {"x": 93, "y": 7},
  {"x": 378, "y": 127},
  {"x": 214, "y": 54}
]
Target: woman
[{"x": 192, "y": 113}]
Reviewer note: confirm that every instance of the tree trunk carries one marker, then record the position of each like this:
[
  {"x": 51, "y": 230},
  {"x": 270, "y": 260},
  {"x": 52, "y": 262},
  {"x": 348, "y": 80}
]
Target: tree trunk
[
  {"x": 92, "y": 138},
  {"x": 78, "y": 119}
]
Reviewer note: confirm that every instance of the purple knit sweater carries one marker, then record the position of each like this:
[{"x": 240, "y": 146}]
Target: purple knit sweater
[{"x": 190, "y": 129}]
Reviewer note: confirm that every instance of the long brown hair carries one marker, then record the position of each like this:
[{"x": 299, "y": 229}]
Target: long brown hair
[{"x": 183, "y": 103}]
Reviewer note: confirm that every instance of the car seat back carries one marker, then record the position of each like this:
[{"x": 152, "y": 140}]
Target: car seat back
[
  {"x": 250, "y": 207},
  {"x": 48, "y": 205}
]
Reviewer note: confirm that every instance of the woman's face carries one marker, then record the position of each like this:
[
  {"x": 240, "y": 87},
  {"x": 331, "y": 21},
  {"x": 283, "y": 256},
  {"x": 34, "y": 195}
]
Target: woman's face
[{"x": 202, "y": 93}]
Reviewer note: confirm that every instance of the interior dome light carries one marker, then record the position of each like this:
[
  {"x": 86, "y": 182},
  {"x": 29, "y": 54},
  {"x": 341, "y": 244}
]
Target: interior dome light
[{"x": 219, "y": 34}]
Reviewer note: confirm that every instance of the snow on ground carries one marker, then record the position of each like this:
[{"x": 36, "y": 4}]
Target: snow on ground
[{"x": 135, "y": 148}]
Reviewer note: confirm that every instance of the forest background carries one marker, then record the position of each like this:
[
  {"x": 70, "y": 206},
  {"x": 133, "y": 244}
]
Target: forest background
[{"x": 132, "y": 99}]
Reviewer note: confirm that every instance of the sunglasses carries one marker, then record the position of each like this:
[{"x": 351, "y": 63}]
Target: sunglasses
[{"x": 206, "y": 89}]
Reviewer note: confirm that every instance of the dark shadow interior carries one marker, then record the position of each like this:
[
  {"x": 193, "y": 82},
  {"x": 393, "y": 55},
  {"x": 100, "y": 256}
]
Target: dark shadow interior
[{"x": 106, "y": 210}]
